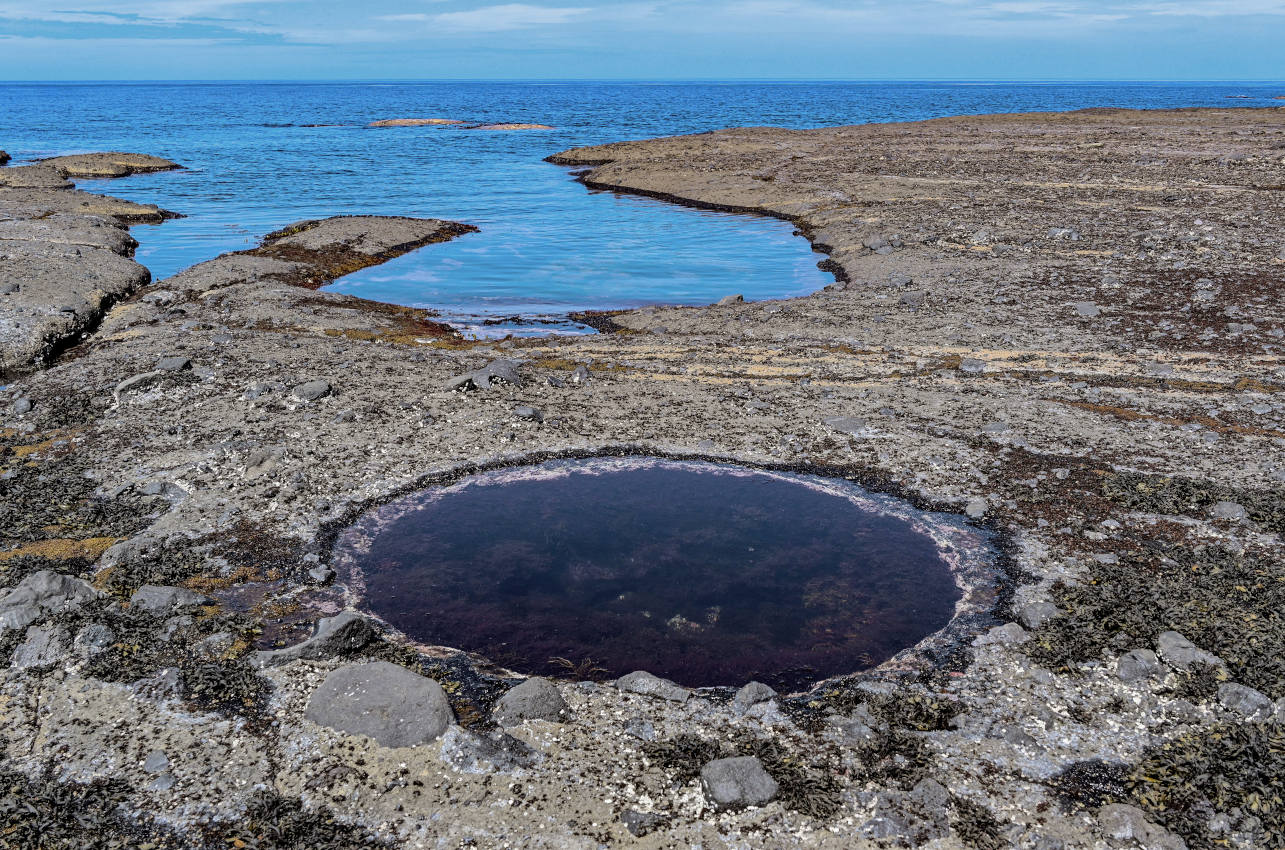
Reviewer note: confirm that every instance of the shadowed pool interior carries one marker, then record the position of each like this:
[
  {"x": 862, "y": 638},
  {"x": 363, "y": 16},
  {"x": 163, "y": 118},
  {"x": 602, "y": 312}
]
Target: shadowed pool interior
[{"x": 709, "y": 574}]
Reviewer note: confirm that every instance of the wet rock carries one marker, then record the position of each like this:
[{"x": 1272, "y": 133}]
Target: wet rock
[
  {"x": 641, "y": 823},
  {"x": 470, "y": 752},
  {"x": 1009, "y": 633},
  {"x": 733, "y": 783},
  {"x": 173, "y": 364},
  {"x": 43, "y": 647},
  {"x": 42, "y": 593},
  {"x": 312, "y": 390},
  {"x": 495, "y": 373},
  {"x": 729, "y": 300},
  {"x": 533, "y": 699},
  {"x": 642, "y": 682},
  {"x": 1181, "y": 653},
  {"x": 1136, "y": 665},
  {"x": 342, "y": 634},
  {"x": 1244, "y": 700},
  {"x": 392, "y": 705},
  {"x": 159, "y": 599},
  {"x": 751, "y": 694},
  {"x": 1035, "y": 614}
]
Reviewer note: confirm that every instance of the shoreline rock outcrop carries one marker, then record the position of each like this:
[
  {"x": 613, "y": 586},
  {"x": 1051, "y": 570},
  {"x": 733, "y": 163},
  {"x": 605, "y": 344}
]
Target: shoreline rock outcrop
[{"x": 1125, "y": 686}]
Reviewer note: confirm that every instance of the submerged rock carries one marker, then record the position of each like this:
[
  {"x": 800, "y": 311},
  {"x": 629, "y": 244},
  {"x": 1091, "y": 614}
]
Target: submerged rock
[{"x": 392, "y": 705}]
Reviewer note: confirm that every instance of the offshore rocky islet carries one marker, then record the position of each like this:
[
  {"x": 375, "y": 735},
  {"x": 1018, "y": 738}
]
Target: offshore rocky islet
[{"x": 983, "y": 348}]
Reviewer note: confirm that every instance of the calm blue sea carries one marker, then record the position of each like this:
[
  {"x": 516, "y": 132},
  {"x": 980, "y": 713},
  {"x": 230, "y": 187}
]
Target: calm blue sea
[{"x": 547, "y": 245}]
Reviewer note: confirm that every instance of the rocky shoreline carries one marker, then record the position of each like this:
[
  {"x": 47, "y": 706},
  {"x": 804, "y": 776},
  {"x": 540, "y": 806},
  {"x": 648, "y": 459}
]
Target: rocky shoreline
[{"x": 1066, "y": 326}]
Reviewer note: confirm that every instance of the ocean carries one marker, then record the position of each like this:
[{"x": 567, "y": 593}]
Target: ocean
[{"x": 259, "y": 156}]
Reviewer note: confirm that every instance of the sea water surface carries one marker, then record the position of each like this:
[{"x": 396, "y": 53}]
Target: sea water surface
[{"x": 263, "y": 155}]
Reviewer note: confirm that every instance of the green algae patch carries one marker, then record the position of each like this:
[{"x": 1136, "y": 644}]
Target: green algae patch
[{"x": 1231, "y": 604}]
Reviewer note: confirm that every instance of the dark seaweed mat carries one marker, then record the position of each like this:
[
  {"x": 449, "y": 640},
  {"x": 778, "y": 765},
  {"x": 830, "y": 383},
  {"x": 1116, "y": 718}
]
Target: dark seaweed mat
[
  {"x": 43, "y": 814},
  {"x": 273, "y": 822},
  {"x": 1234, "y": 769},
  {"x": 1160, "y": 495},
  {"x": 1228, "y": 603}
]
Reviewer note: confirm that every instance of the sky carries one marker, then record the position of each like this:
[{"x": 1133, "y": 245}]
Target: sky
[{"x": 643, "y": 39}]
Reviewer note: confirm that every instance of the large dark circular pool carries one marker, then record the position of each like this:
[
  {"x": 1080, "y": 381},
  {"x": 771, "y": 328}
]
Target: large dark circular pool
[{"x": 709, "y": 574}]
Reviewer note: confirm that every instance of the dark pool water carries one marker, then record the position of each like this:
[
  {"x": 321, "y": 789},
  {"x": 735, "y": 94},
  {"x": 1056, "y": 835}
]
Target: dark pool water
[{"x": 707, "y": 574}]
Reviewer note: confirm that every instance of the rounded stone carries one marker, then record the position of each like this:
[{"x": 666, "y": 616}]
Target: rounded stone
[
  {"x": 534, "y": 699},
  {"x": 392, "y": 705},
  {"x": 734, "y": 782}
]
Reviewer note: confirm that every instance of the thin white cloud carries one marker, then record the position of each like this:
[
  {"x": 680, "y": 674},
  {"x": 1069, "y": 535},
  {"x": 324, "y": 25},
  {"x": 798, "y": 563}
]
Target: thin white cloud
[{"x": 509, "y": 16}]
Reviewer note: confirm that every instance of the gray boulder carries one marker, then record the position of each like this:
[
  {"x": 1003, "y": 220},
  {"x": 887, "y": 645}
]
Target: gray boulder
[
  {"x": 495, "y": 373},
  {"x": 392, "y": 705},
  {"x": 642, "y": 682},
  {"x": 1229, "y": 510},
  {"x": 1035, "y": 614},
  {"x": 976, "y": 507},
  {"x": 736, "y": 782},
  {"x": 160, "y": 599},
  {"x": 1243, "y": 699},
  {"x": 174, "y": 364},
  {"x": 341, "y": 634},
  {"x": 312, "y": 390},
  {"x": 1181, "y": 653},
  {"x": 751, "y": 694},
  {"x": 40, "y": 594},
  {"x": 534, "y": 699},
  {"x": 1009, "y": 633},
  {"x": 1123, "y": 823},
  {"x": 729, "y": 300},
  {"x": 1136, "y": 665}
]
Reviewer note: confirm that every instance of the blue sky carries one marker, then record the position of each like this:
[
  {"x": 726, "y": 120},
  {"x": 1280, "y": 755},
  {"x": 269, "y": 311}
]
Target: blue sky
[{"x": 642, "y": 39}]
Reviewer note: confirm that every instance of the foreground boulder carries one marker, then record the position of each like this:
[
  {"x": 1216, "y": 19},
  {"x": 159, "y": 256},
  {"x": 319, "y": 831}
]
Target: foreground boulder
[
  {"x": 392, "y": 705},
  {"x": 735, "y": 782}
]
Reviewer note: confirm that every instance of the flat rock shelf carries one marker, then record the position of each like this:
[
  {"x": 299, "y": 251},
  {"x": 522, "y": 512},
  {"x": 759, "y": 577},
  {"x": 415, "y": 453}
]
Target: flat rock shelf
[{"x": 711, "y": 574}]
